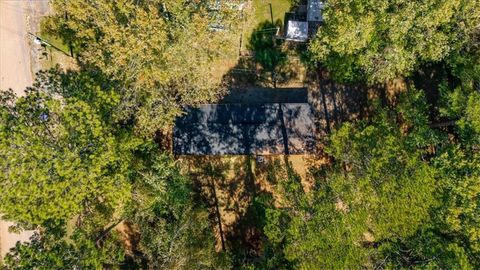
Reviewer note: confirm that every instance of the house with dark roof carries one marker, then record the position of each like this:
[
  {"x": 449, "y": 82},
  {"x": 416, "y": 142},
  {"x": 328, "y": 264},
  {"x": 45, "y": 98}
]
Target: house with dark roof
[{"x": 267, "y": 125}]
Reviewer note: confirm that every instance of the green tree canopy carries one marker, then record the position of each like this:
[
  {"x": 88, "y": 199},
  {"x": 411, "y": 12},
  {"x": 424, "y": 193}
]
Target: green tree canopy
[
  {"x": 267, "y": 49},
  {"x": 450, "y": 239},
  {"x": 164, "y": 53},
  {"x": 458, "y": 172},
  {"x": 74, "y": 175},
  {"x": 59, "y": 157},
  {"x": 174, "y": 230},
  {"x": 50, "y": 251},
  {"x": 384, "y": 39},
  {"x": 380, "y": 191}
]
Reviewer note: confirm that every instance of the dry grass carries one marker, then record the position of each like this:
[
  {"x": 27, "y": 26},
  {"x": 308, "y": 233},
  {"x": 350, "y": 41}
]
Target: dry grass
[{"x": 50, "y": 58}]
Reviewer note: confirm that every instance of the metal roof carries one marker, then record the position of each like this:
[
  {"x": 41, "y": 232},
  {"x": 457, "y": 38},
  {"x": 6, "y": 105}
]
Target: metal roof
[
  {"x": 240, "y": 129},
  {"x": 297, "y": 30},
  {"x": 314, "y": 10}
]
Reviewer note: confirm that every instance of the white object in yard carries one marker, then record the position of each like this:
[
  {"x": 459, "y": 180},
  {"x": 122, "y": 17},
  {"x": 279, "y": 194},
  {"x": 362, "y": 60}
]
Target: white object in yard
[
  {"x": 314, "y": 10},
  {"x": 297, "y": 30},
  {"x": 37, "y": 41}
]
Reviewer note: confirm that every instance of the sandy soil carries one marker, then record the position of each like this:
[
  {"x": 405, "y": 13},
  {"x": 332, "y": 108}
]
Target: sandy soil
[
  {"x": 17, "y": 18},
  {"x": 15, "y": 65},
  {"x": 8, "y": 240}
]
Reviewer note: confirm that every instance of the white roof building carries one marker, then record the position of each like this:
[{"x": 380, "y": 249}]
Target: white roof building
[{"x": 297, "y": 30}]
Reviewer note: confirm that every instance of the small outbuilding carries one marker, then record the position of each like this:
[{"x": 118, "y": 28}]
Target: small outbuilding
[
  {"x": 304, "y": 22},
  {"x": 297, "y": 30}
]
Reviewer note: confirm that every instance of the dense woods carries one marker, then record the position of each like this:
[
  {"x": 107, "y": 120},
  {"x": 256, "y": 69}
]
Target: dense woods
[
  {"x": 388, "y": 202},
  {"x": 81, "y": 164}
]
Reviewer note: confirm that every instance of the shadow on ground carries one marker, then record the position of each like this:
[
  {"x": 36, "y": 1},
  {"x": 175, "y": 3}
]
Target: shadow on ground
[
  {"x": 267, "y": 62},
  {"x": 238, "y": 189}
]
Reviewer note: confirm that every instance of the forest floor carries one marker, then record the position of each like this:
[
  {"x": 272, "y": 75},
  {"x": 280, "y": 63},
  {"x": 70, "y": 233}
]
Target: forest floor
[{"x": 229, "y": 185}]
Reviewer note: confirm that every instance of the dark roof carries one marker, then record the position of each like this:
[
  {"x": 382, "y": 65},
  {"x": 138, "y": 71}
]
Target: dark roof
[
  {"x": 266, "y": 95},
  {"x": 239, "y": 129},
  {"x": 314, "y": 10}
]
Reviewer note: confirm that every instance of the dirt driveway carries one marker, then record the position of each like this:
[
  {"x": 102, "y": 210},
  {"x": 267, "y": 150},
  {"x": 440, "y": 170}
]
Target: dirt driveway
[{"x": 15, "y": 65}]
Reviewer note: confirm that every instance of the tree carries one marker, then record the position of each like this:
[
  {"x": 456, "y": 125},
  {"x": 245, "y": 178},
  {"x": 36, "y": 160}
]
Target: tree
[
  {"x": 458, "y": 215},
  {"x": 86, "y": 175},
  {"x": 48, "y": 251},
  {"x": 322, "y": 237},
  {"x": 458, "y": 167},
  {"x": 379, "y": 191},
  {"x": 450, "y": 240},
  {"x": 425, "y": 250},
  {"x": 164, "y": 53},
  {"x": 174, "y": 230},
  {"x": 268, "y": 52},
  {"x": 63, "y": 162},
  {"x": 391, "y": 179},
  {"x": 465, "y": 63},
  {"x": 61, "y": 155},
  {"x": 380, "y": 40}
]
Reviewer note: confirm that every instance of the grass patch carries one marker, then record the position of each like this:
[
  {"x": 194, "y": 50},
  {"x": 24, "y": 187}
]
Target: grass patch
[
  {"x": 262, "y": 14},
  {"x": 56, "y": 55},
  {"x": 55, "y": 41},
  {"x": 262, "y": 10}
]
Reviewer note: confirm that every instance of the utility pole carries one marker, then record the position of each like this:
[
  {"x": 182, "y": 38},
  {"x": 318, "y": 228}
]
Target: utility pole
[
  {"x": 271, "y": 12},
  {"x": 69, "y": 42}
]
